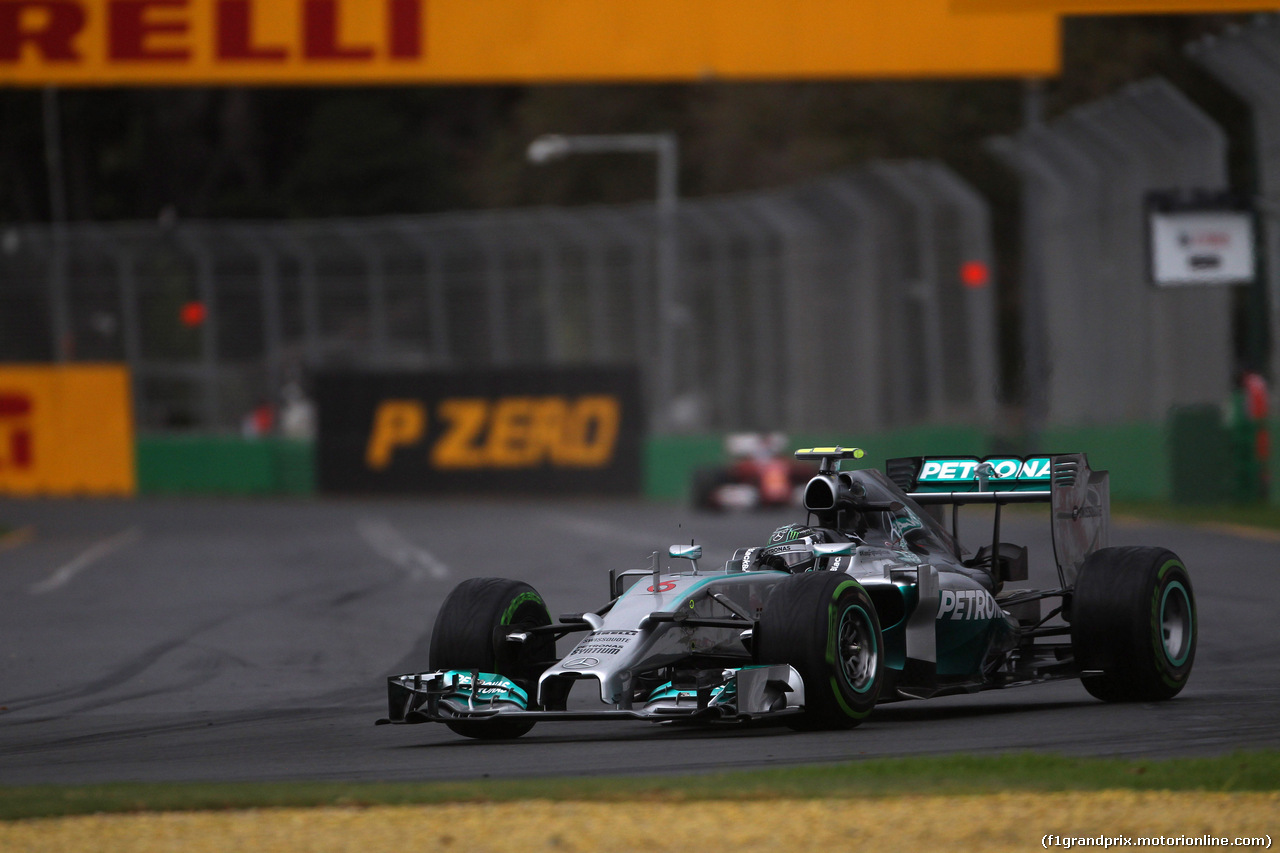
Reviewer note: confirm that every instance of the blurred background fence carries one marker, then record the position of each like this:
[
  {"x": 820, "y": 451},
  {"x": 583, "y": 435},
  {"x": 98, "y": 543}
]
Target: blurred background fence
[
  {"x": 860, "y": 303},
  {"x": 836, "y": 304},
  {"x": 1103, "y": 345},
  {"x": 1247, "y": 61}
]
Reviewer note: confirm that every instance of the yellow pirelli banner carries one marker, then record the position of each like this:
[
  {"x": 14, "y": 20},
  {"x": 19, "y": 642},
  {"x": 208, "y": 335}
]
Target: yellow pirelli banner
[
  {"x": 327, "y": 42},
  {"x": 1116, "y": 7},
  {"x": 66, "y": 430}
]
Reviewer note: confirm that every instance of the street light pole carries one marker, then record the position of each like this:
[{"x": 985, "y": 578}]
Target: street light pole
[{"x": 664, "y": 145}]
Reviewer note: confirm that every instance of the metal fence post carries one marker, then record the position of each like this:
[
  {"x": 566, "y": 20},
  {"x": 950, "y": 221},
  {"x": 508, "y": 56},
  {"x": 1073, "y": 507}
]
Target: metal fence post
[
  {"x": 272, "y": 313},
  {"x": 1042, "y": 189},
  {"x": 1191, "y": 326},
  {"x": 636, "y": 226},
  {"x": 1110, "y": 234},
  {"x": 495, "y": 289},
  {"x": 1247, "y": 62},
  {"x": 196, "y": 244},
  {"x": 59, "y": 260},
  {"x": 760, "y": 260},
  {"x": 977, "y": 298},
  {"x": 864, "y": 405},
  {"x": 625, "y": 235},
  {"x": 127, "y": 295},
  {"x": 375, "y": 284},
  {"x": 924, "y": 287},
  {"x": 309, "y": 287},
  {"x": 421, "y": 237},
  {"x": 796, "y": 309},
  {"x": 583, "y": 230},
  {"x": 553, "y": 223},
  {"x": 671, "y": 308},
  {"x": 728, "y": 379}
]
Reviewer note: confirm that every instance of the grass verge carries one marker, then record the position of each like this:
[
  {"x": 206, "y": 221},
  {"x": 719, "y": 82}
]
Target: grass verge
[
  {"x": 1248, "y": 515},
  {"x": 956, "y": 774}
]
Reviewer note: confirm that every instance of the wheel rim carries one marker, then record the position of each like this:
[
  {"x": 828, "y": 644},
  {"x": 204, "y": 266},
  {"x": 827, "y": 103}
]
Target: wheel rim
[
  {"x": 1176, "y": 624},
  {"x": 857, "y": 649}
]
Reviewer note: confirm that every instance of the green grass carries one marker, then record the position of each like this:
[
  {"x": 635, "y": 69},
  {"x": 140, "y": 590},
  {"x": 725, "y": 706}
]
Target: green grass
[
  {"x": 1250, "y": 515},
  {"x": 959, "y": 774}
]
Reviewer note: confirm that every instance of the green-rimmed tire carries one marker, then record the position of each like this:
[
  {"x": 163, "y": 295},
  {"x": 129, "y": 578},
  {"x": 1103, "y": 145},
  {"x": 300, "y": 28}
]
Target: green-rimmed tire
[
  {"x": 1133, "y": 624},
  {"x": 468, "y": 635},
  {"x": 824, "y": 625}
]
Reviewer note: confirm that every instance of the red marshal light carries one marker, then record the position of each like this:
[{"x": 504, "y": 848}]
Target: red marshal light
[
  {"x": 193, "y": 314},
  {"x": 975, "y": 275}
]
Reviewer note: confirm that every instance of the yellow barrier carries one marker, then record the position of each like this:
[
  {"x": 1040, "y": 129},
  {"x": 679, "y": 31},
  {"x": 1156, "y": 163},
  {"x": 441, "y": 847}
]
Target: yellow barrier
[
  {"x": 1113, "y": 7},
  {"x": 66, "y": 430}
]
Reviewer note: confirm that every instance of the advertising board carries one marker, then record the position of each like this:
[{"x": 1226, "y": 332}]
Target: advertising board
[
  {"x": 502, "y": 431},
  {"x": 66, "y": 430},
  {"x": 345, "y": 42},
  {"x": 1200, "y": 238}
]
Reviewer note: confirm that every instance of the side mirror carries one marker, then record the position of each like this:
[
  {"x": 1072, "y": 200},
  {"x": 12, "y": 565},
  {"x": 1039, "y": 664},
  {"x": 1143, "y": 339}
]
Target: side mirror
[
  {"x": 834, "y": 549},
  {"x": 685, "y": 552}
]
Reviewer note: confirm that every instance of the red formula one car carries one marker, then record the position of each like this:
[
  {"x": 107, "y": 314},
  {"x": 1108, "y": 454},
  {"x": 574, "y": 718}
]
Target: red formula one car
[{"x": 761, "y": 474}]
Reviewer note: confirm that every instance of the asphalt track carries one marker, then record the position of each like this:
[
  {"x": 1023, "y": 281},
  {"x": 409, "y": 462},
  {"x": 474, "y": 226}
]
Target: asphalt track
[{"x": 250, "y": 639}]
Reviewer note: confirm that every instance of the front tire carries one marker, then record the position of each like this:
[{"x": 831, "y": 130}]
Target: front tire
[
  {"x": 824, "y": 625},
  {"x": 468, "y": 635},
  {"x": 1133, "y": 624}
]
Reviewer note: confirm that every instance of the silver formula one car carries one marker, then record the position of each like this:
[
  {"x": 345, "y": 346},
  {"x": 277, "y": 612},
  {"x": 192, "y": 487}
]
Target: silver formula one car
[{"x": 872, "y": 599}]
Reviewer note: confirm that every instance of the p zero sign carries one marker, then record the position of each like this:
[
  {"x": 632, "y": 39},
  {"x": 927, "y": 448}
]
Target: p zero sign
[{"x": 573, "y": 430}]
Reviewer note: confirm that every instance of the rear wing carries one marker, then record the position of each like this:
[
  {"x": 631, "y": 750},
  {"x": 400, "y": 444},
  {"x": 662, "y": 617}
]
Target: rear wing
[
  {"x": 1079, "y": 497},
  {"x": 968, "y": 479}
]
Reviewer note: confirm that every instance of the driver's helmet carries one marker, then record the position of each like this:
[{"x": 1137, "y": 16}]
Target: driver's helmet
[{"x": 790, "y": 548}]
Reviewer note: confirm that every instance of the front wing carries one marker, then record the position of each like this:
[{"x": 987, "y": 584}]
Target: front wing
[{"x": 731, "y": 695}]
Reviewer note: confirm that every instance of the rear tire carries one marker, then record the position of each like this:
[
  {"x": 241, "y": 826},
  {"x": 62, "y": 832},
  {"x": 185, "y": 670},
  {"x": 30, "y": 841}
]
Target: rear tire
[
  {"x": 824, "y": 625},
  {"x": 468, "y": 635},
  {"x": 1133, "y": 622}
]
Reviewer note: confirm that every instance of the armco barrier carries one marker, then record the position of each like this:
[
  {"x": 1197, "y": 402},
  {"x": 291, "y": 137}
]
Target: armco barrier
[
  {"x": 229, "y": 465},
  {"x": 1204, "y": 468},
  {"x": 1137, "y": 455},
  {"x": 224, "y": 465}
]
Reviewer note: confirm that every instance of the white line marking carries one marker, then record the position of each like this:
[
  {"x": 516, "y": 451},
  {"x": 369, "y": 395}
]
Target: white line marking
[
  {"x": 390, "y": 544},
  {"x": 64, "y": 574}
]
